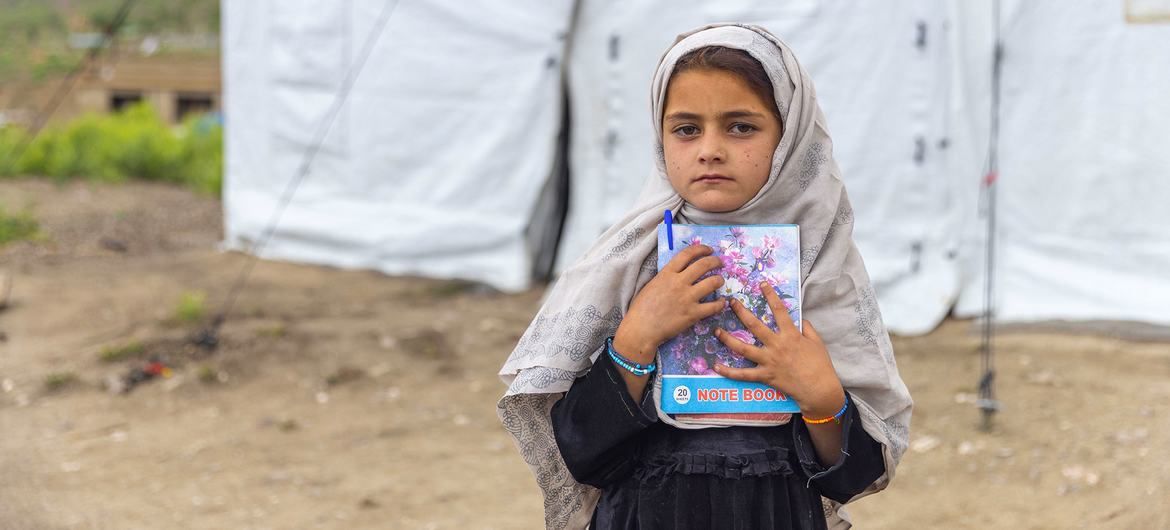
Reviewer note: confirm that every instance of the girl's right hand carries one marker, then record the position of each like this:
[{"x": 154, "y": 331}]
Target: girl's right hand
[{"x": 669, "y": 304}]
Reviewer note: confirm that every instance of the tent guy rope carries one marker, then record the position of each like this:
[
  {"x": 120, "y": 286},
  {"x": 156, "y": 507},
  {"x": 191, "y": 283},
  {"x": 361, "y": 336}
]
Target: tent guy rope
[{"x": 208, "y": 338}]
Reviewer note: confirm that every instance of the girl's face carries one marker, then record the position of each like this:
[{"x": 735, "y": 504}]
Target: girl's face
[{"x": 718, "y": 137}]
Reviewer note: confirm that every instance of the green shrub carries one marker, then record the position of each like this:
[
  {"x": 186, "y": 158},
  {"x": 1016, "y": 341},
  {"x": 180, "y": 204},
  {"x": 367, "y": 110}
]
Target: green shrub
[
  {"x": 29, "y": 20},
  {"x": 190, "y": 307},
  {"x": 10, "y": 137},
  {"x": 56, "y": 64},
  {"x": 134, "y": 143},
  {"x": 58, "y": 381},
  {"x": 112, "y": 354},
  {"x": 207, "y": 374},
  {"x": 17, "y": 227},
  {"x": 203, "y": 155}
]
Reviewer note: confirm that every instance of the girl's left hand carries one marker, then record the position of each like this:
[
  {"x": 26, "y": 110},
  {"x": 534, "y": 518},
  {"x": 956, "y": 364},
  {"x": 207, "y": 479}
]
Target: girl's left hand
[{"x": 792, "y": 362}]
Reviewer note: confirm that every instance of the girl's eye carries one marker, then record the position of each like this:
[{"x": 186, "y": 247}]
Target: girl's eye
[
  {"x": 742, "y": 128},
  {"x": 686, "y": 130}
]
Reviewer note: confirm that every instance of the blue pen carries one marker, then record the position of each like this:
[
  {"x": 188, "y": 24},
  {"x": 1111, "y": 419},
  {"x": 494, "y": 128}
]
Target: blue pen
[{"x": 669, "y": 230}]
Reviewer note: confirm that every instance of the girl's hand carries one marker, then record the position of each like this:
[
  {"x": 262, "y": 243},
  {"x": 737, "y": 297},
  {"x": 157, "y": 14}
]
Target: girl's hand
[
  {"x": 794, "y": 363},
  {"x": 669, "y": 303}
]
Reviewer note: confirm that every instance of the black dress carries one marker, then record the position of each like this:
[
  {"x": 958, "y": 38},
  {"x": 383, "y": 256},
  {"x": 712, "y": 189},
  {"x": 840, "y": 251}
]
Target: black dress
[{"x": 655, "y": 476}]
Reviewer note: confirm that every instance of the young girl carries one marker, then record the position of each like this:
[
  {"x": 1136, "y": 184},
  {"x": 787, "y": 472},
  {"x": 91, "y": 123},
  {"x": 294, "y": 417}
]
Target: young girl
[{"x": 740, "y": 140}]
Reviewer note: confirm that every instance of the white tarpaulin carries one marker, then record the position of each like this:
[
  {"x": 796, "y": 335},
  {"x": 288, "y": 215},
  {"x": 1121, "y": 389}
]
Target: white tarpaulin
[
  {"x": 1084, "y": 165},
  {"x": 436, "y": 164}
]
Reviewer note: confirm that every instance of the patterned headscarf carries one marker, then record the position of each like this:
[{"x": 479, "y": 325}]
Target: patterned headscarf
[{"x": 588, "y": 301}]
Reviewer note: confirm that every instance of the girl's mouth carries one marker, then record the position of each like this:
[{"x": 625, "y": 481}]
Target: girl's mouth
[{"x": 711, "y": 179}]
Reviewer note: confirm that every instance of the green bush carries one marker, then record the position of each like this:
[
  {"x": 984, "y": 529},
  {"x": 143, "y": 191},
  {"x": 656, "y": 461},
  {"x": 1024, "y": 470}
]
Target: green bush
[
  {"x": 112, "y": 354},
  {"x": 17, "y": 227},
  {"x": 56, "y": 64},
  {"x": 190, "y": 307},
  {"x": 203, "y": 154},
  {"x": 29, "y": 19},
  {"x": 58, "y": 381},
  {"x": 9, "y": 138},
  {"x": 132, "y": 144}
]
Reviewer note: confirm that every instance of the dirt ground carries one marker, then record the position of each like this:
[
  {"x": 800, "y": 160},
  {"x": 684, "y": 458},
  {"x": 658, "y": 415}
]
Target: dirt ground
[{"x": 349, "y": 399}]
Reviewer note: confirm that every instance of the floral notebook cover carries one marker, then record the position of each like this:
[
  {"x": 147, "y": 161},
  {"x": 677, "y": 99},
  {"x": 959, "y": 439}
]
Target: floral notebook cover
[{"x": 751, "y": 253}]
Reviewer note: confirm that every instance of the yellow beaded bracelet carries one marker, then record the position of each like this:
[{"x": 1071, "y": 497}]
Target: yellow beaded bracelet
[{"x": 836, "y": 417}]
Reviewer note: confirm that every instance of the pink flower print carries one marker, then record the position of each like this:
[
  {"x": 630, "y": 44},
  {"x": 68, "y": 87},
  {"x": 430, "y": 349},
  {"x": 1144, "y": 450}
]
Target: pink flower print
[
  {"x": 702, "y": 328},
  {"x": 734, "y": 254},
  {"x": 738, "y": 235},
  {"x": 764, "y": 259},
  {"x": 699, "y": 365},
  {"x": 696, "y": 241},
  {"x": 744, "y": 336},
  {"x": 771, "y": 243},
  {"x": 711, "y": 346}
]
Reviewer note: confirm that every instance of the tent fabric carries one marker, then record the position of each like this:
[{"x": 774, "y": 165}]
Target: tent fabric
[
  {"x": 1084, "y": 168},
  {"x": 439, "y": 163},
  {"x": 435, "y": 163}
]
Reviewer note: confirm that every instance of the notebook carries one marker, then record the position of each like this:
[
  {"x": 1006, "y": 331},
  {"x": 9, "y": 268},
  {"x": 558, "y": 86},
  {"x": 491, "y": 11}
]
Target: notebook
[{"x": 691, "y": 391}]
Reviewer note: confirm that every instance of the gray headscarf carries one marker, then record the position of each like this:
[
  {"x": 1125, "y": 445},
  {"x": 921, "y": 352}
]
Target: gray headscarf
[{"x": 588, "y": 301}]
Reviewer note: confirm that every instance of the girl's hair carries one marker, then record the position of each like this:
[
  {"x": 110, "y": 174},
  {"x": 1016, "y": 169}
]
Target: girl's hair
[{"x": 735, "y": 61}]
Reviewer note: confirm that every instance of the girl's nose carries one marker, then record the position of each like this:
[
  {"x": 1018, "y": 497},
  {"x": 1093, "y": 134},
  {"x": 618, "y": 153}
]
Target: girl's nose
[{"x": 711, "y": 151}]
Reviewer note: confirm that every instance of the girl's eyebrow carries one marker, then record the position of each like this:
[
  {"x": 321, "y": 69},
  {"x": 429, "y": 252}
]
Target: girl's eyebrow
[
  {"x": 739, "y": 114},
  {"x": 731, "y": 114}
]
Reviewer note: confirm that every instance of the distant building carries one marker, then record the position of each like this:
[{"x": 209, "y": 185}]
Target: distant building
[{"x": 175, "y": 86}]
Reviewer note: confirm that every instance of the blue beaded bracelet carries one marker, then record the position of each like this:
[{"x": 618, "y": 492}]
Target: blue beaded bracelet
[
  {"x": 836, "y": 417},
  {"x": 631, "y": 366}
]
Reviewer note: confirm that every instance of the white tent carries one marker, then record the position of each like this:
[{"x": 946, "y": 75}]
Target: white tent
[
  {"x": 1084, "y": 165},
  {"x": 440, "y": 161},
  {"x": 435, "y": 161}
]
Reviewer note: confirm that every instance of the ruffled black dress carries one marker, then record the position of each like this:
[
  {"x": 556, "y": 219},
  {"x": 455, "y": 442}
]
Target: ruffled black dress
[{"x": 655, "y": 476}]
